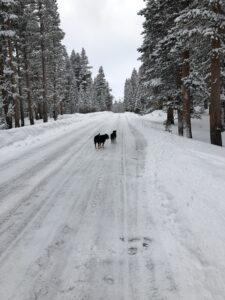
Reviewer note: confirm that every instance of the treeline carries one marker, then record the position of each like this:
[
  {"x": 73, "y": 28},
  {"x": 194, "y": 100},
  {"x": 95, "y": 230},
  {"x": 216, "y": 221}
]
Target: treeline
[
  {"x": 182, "y": 66},
  {"x": 38, "y": 79}
]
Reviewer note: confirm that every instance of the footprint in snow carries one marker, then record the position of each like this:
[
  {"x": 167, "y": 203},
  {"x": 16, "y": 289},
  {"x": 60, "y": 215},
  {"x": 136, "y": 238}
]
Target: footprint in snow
[
  {"x": 132, "y": 250},
  {"x": 137, "y": 243},
  {"x": 108, "y": 280}
]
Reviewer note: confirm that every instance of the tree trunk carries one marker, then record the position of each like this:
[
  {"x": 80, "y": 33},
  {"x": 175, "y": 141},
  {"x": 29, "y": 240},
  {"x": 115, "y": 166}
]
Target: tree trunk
[
  {"x": 215, "y": 105},
  {"x": 20, "y": 87},
  {"x": 206, "y": 104},
  {"x": 28, "y": 86},
  {"x": 223, "y": 116},
  {"x": 186, "y": 96},
  {"x": 170, "y": 116},
  {"x": 1, "y": 75},
  {"x": 61, "y": 108},
  {"x": 43, "y": 61},
  {"x": 3, "y": 57},
  {"x": 179, "y": 103},
  {"x": 40, "y": 110},
  {"x": 36, "y": 113},
  {"x": 180, "y": 122},
  {"x": 13, "y": 89}
]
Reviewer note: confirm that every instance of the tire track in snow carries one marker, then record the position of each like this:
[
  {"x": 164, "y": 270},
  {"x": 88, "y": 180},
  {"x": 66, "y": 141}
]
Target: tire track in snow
[
  {"x": 59, "y": 249},
  {"x": 159, "y": 153},
  {"x": 139, "y": 239},
  {"x": 56, "y": 244},
  {"x": 15, "y": 215},
  {"x": 94, "y": 195},
  {"x": 34, "y": 165},
  {"x": 126, "y": 272}
]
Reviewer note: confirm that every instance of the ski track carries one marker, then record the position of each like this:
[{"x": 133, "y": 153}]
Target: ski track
[{"x": 86, "y": 224}]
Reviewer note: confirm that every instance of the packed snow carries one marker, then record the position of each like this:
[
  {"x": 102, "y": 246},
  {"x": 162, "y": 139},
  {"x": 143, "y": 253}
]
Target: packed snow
[{"x": 140, "y": 219}]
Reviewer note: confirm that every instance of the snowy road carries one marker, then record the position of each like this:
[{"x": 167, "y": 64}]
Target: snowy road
[{"x": 141, "y": 219}]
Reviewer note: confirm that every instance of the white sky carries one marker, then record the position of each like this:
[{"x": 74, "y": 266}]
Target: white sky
[{"x": 110, "y": 32}]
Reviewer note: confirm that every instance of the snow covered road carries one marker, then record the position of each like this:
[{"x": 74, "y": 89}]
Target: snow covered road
[{"x": 141, "y": 219}]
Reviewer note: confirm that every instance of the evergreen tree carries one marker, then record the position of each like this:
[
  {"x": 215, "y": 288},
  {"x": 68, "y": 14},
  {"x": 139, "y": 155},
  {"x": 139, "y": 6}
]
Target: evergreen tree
[
  {"x": 76, "y": 65},
  {"x": 36, "y": 75},
  {"x": 171, "y": 55},
  {"x": 109, "y": 98},
  {"x": 71, "y": 90},
  {"x": 100, "y": 90},
  {"x": 8, "y": 21},
  {"x": 131, "y": 91},
  {"x": 127, "y": 95},
  {"x": 56, "y": 62},
  {"x": 85, "y": 73}
]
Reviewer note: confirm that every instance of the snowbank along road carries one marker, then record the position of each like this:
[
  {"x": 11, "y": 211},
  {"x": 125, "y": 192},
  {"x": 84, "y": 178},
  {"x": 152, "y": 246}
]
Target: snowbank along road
[{"x": 140, "y": 219}]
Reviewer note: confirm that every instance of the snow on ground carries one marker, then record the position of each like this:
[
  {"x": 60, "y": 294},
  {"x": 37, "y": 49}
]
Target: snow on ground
[
  {"x": 140, "y": 219},
  {"x": 200, "y": 127}
]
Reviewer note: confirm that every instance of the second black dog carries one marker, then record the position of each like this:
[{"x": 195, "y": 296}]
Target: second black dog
[
  {"x": 99, "y": 140},
  {"x": 113, "y": 136}
]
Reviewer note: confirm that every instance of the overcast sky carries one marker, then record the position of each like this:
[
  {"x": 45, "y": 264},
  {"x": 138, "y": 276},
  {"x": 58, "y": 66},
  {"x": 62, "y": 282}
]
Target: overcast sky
[{"x": 109, "y": 31}]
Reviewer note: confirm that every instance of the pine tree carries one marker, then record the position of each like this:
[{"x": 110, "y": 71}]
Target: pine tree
[
  {"x": 131, "y": 89},
  {"x": 128, "y": 95},
  {"x": 100, "y": 90},
  {"x": 109, "y": 98},
  {"x": 85, "y": 73},
  {"x": 215, "y": 105},
  {"x": 8, "y": 23},
  {"x": 36, "y": 74},
  {"x": 171, "y": 55},
  {"x": 71, "y": 89},
  {"x": 76, "y": 65},
  {"x": 56, "y": 59}
]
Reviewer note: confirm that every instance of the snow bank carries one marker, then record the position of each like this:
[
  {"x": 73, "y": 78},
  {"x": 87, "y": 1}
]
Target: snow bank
[
  {"x": 200, "y": 127},
  {"x": 30, "y": 134}
]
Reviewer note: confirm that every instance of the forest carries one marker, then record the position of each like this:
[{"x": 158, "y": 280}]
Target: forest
[
  {"x": 38, "y": 78},
  {"x": 182, "y": 64}
]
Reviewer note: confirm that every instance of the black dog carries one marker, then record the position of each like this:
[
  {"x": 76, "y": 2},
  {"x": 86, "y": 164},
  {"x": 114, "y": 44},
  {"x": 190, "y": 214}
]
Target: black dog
[
  {"x": 100, "y": 140},
  {"x": 96, "y": 139},
  {"x": 113, "y": 136}
]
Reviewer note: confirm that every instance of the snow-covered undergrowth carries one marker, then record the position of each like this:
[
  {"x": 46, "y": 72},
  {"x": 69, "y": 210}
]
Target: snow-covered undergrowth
[{"x": 200, "y": 127}]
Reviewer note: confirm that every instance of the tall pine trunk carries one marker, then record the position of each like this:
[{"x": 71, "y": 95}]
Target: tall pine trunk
[
  {"x": 43, "y": 63},
  {"x": 186, "y": 95},
  {"x": 13, "y": 88},
  {"x": 20, "y": 87},
  {"x": 215, "y": 104},
  {"x": 1, "y": 74},
  {"x": 3, "y": 57},
  {"x": 44, "y": 83},
  {"x": 61, "y": 108},
  {"x": 179, "y": 104},
  {"x": 28, "y": 86},
  {"x": 180, "y": 122},
  {"x": 170, "y": 115},
  {"x": 223, "y": 116}
]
